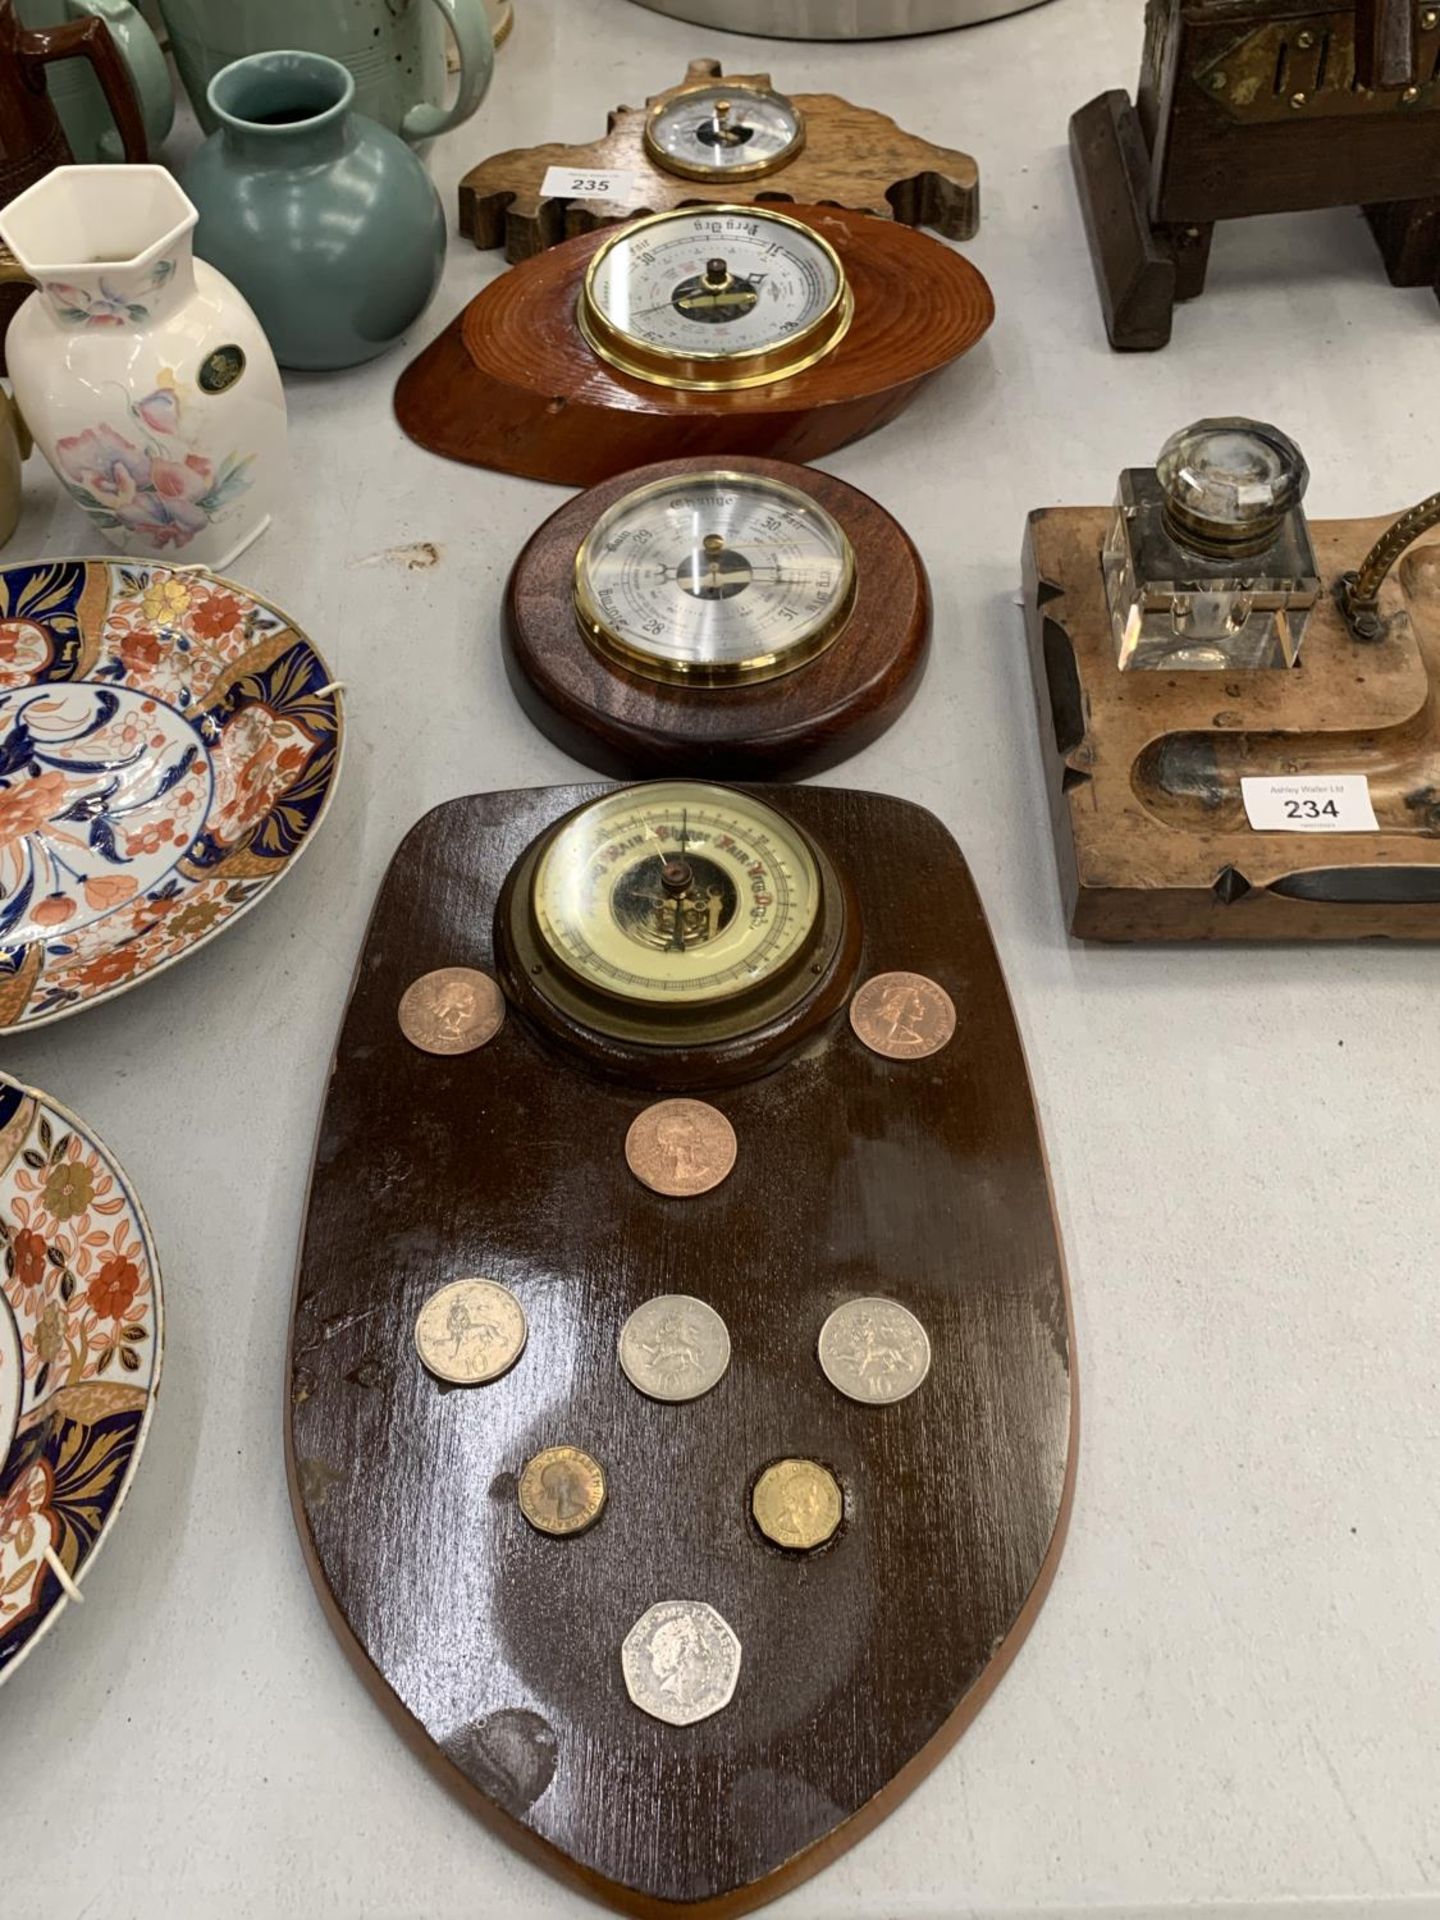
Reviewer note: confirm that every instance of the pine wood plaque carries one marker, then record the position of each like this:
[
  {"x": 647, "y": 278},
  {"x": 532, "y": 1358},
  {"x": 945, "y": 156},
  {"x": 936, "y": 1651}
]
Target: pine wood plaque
[
  {"x": 496, "y": 1649},
  {"x": 852, "y": 157},
  {"x": 1144, "y": 768}
]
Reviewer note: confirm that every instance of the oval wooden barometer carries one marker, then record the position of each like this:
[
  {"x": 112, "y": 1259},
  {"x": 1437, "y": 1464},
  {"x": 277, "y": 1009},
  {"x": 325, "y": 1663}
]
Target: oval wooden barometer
[
  {"x": 682, "y": 1473},
  {"x": 744, "y": 618},
  {"x": 702, "y": 330}
]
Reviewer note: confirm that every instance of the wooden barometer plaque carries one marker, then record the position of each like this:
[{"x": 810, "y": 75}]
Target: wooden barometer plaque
[
  {"x": 738, "y": 619},
  {"x": 710, "y": 330},
  {"x": 709, "y": 138},
  {"x": 681, "y": 1417}
]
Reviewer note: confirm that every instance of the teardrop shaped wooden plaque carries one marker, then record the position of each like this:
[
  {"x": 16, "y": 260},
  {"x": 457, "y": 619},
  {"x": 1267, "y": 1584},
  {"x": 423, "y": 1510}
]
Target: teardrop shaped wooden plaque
[{"x": 496, "y": 1649}]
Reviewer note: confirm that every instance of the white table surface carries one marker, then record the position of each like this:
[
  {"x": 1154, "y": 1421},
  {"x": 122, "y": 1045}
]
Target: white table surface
[{"x": 1231, "y": 1702}]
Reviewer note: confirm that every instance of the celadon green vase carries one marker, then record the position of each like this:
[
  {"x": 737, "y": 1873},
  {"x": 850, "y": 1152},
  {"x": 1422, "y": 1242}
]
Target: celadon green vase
[{"x": 328, "y": 224}]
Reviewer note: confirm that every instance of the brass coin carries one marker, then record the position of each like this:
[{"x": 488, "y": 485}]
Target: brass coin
[
  {"x": 453, "y": 1010},
  {"x": 680, "y": 1147},
  {"x": 470, "y": 1332},
  {"x": 562, "y": 1491},
  {"x": 903, "y": 1016},
  {"x": 797, "y": 1504}
]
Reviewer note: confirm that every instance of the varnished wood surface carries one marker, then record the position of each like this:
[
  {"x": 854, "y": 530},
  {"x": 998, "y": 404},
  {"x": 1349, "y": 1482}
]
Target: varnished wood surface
[
  {"x": 511, "y": 384},
  {"x": 495, "y": 1649},
  {"x": 621, "y": 723},
  {"x": 1144, "y": 768},
  {"x": 852, "y": 157}
]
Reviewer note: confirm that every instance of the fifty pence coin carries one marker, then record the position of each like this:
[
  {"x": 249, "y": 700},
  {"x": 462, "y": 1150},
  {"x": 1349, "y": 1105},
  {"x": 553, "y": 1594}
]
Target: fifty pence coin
[
  {"x": 903, "y": 1016},
  {"x": 680, "y": 1147},
  {"x": 470, "y": 1332},
  {"x": 674, "y": 1347},
  {"x": 681, "y": 1661},
  {"x": 453, "y": 1010},
  {"x": 797, "y": 1504},
  {"x": 562, "y": 1491},
  {"x": 874, "y": 1351}
]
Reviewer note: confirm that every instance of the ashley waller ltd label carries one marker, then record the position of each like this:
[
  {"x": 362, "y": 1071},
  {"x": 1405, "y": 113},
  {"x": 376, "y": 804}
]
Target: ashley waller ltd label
[
  {"x": 587, "y": 183},
  {"x": 1309, "y": 803}
]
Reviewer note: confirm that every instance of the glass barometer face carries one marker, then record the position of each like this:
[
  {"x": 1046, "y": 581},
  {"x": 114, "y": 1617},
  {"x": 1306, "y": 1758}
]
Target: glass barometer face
[
  {"x": 714, "y": 578},
  {"x": 721, "y": 132},
  {"x": 714, "y": 298},
  {"x": 676, "y": 894}
]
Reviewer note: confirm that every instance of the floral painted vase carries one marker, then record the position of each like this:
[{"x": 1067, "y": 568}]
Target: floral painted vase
[
  {"x": 143, "y": 376},
  {"x": 327, "y": 223}
]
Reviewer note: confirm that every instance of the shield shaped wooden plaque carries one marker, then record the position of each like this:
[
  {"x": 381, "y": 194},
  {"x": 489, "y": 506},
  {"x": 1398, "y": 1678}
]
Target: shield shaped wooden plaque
[{"x": 496, "y": 1649}]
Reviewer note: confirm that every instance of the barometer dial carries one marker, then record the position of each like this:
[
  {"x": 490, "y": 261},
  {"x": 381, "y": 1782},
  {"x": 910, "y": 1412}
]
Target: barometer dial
[
  {"x": 714, "y": 577},
  {"x": 676, "y": 894},
  {"x": 714, "y": 297},
  {"x": 723, "y": 132}
]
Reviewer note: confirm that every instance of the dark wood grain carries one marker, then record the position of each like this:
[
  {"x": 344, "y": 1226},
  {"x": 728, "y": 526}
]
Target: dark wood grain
[
  {"x": 852, "y": 157},
  {"x": 621, "y": 723},
  {"x": 1144, "y": 768},
  {"x": 496, "y": 1650},
  {"x": 1250, "y": 107},
  {"x": 511, "y": 384}
]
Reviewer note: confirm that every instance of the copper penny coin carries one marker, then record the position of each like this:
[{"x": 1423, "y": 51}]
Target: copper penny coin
[
  {"x": 470, "y": 1332},
  {"x": 680, "y": 1147},
  {"x": 453, "y": 1010},
  {"x": 903, "y": 1016},
  {"x": 562, "y": 1491},
  {"x": 797, "y": 1504}
]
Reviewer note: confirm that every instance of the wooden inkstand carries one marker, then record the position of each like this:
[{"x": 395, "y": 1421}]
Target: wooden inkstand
[
  {"x": 1241, "y": 744},
  {"x": 1251, "y": 107}
]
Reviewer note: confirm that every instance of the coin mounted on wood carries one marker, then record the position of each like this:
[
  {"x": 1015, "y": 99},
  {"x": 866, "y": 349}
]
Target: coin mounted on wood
[
  {"x": 1237, "y": 706},
  {"x": 684, "y": 1533},
  {"x": 707, "y": 330},
  {"x": 744, "y": 619},
  {"x": 703, "y": 139},
  {"x": 1258, "y": 106}
]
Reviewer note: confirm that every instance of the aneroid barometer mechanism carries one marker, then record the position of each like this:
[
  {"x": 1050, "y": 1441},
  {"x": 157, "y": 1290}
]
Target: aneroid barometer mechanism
[
  {"x": 1209, "y": 779},
  {"x": 708, "y": 329},
  {"x": 718, "y": 138},
  {"x": 743, "y": 619},
  {"x": 679, "y": 1207}
]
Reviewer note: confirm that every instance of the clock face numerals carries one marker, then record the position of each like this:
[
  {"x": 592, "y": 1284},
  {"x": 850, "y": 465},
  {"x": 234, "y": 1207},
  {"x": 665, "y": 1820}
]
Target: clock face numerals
[
  {"x": 676, "y": 894},
  {"x": 714, "y": 297},
  {"x": 722, "y": 132},
  {"x": 714, "y": 578}
]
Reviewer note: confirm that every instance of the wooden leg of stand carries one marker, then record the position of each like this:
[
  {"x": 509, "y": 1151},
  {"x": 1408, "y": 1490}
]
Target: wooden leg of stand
[
  {"x": 1409, "y": 235},
  {"x": 1189, "y": 248},
  {"x": 1134, "y": 270}
]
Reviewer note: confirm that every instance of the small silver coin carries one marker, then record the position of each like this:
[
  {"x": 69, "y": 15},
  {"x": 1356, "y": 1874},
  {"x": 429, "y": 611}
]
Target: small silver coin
[
  {"x": 874, "y": 1351},
  {"x": 681, "y": 1660},
  {"x": 674, "y": 1347}
]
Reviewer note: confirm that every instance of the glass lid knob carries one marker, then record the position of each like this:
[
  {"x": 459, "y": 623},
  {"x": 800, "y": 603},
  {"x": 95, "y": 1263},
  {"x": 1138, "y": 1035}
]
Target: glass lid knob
[{"x": 1228, "y": 484}]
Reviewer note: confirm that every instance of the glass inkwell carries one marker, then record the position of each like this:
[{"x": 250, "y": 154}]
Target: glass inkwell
[{"x": 1208, "y": 562}]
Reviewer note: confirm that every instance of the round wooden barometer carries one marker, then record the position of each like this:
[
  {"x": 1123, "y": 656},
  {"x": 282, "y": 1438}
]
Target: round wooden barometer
[{"x": 741, "y": 618}]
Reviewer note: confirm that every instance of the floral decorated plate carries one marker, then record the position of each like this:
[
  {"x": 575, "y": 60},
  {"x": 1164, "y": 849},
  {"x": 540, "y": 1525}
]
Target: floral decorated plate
[
  {"x": 168, "y": 746},
  {"x": 80, "y": 1339}
]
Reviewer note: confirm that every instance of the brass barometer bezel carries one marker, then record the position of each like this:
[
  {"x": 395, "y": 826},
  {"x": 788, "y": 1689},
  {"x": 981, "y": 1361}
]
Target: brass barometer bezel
[
  {"x": 808, "y": 644},
  {"x": 697, "y": 170},
  {"x": 716, "y": 372}
]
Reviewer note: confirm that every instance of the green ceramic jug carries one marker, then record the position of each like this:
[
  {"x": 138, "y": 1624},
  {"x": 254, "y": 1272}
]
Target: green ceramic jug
[
  {"x": 327, "y": 223},
  {"x": 394, "y": 48},
  {"x": 75, "y": 92}
]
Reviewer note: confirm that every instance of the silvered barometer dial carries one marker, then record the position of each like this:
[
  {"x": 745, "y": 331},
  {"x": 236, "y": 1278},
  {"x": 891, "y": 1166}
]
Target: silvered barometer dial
[
  {"x": 674, "y": 913},
  {"x": 712, "y": 578},
  {"x": 724, "y": 132},
  {"x": 714, "y": 297}
]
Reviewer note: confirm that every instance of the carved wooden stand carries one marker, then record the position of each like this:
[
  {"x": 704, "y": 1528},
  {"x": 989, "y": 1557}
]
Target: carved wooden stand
[
  {"x": 852, "y": 157},
  {"x": 1144, "y": 768},
  {"x": 1259, "y": 108}
]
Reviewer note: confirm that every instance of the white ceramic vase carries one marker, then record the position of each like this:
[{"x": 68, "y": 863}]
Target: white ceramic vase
[{"x": 144, "y": 377}]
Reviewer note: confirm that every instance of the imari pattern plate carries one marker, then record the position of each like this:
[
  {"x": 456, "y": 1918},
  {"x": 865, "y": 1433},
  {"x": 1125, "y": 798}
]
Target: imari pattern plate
[
  {"x": 80, "y": 1338},
  {"x": 168, "y": 746}
]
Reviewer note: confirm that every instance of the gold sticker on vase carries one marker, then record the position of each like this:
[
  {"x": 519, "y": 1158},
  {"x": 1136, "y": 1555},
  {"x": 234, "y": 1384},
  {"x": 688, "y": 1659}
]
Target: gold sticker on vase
[{"x": 220, "y": 369}]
